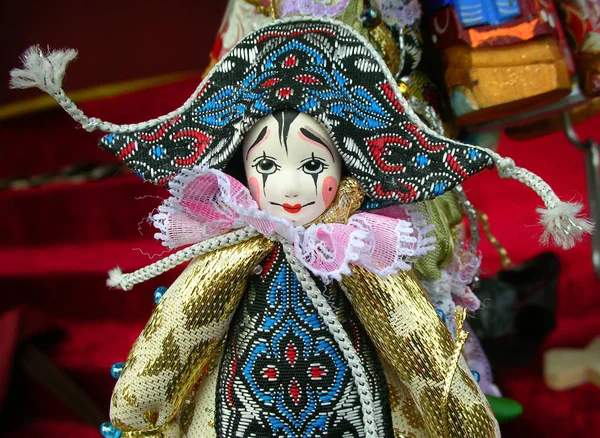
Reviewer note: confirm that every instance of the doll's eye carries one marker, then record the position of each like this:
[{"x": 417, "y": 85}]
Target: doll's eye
[
  {"x": 265, "y": 165},
  {"x": 313, "y": 165}
]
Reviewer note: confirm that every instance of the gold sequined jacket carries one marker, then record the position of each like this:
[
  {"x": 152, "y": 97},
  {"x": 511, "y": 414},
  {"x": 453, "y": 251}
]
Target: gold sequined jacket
[{"x": 167, "y": 386}]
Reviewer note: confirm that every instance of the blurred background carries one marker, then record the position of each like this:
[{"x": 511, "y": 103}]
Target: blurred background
[{"x": 72, "y": 212}]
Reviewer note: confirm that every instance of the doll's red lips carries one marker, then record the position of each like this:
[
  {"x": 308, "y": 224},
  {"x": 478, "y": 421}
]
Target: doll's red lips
[{"x": 292, "y": 208}]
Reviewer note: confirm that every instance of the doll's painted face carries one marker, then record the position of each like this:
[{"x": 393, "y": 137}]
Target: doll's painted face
[{"x": 292, "y": 166}]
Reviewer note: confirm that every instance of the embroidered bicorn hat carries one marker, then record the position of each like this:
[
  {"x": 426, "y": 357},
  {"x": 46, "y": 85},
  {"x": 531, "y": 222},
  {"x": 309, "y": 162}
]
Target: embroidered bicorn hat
[{"x": 320, "y": 67}]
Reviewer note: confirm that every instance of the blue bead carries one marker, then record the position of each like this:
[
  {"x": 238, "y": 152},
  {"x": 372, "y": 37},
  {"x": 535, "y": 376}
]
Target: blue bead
[
  {"x": 421, "y": 160},
  {"x": 106, "y": 429},
  {"x": 439, "y": 188},
  {"x": 473, "y": 154},
  {"x": 116, "y": 369},
  {"x": 158, "y": 293},
  {"x": 441, "y": 314},
  {"x": 476, "y": 375},
  {"x": 109, "y": 431},
  {"x": 158, "y": 151}
]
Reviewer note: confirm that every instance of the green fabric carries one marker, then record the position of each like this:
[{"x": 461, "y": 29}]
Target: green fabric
[
  {"x": 351, "y": 16},
  {"x": 505, "y": 409},
  {"x": 444, "y": 212}
]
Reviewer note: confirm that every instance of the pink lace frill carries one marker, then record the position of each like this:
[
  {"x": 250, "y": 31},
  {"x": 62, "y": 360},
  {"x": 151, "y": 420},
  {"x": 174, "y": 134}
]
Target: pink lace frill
[{"x": 206, "y": 203}]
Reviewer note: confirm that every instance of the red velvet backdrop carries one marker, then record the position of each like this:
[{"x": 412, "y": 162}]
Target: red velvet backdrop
[
  {"x": 59, "y": 241},
  {"x": 117, "y": 40}
]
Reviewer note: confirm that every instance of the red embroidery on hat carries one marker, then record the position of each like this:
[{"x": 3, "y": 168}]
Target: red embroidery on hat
[
  {"x": 295, "y": 391},
  {"x": 271, "y": 373},
  {"x": 391, "y": 96},
  {"x": 270, "y": 82},
  {"x": 317, "y": 371},
  {"x": 160, "y": 132},
  {"x": 396, "y": 194},
  {"x": 291, "y": 354},
  {"x": 423, "y": 142},
  {"x": 285, "y": 93},
  {"x": 451, "y": 160},
  {"x": 378, "y": 147},
  {"x": 128, "y": 150},
  {"x": 198, "y": 146},
  {"x": 291, "y": 61}
]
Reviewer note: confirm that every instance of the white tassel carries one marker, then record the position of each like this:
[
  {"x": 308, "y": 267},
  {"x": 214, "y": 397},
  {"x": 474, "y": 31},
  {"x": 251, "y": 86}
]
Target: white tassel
[
  {"x": 115, "y": 277},
  {"x": 44, "y": 71},
  {"x": 560, "y": 219},
  {"x": 562, "y": 224}
]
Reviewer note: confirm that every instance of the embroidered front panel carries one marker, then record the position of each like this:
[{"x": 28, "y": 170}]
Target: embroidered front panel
[{"x": 283, "y": 374}]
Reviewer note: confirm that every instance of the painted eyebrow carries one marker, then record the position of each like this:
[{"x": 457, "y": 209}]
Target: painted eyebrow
[
  {"x": 261, "y": 136},
  {"x": 314, "y": 137}
]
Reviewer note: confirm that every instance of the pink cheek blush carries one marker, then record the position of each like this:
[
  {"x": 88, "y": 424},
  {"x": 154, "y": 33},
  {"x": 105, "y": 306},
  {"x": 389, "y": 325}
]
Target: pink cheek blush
[
  {"x": 254, "y": 188},
  {"x": 329, "y": 189}
]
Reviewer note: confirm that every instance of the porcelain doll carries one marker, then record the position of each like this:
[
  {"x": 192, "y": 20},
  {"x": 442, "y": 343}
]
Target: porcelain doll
[
  {"x": 393, "y": 27},
  {"x": 297, "y": 98}
]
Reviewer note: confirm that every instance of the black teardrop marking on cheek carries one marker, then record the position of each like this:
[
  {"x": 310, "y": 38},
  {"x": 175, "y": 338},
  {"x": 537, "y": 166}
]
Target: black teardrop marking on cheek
[
  {"x": 264, "y": 178},
  {"x": 315, "y": 177}
]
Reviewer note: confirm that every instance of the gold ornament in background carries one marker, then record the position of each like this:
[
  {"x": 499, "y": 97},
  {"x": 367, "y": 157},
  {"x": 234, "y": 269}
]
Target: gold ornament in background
[
  {"x": 267, "y": 11},
  {"x": 382, "y": 39},
  {"x": 506, "y": 261},
  {"x": 404, "y": 89}
]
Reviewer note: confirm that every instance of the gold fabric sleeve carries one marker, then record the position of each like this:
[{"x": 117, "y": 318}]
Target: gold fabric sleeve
[
  {"x": 414, "y": 341},
  {"x": 181, "y": 338},
  {"x": 406, "y": 418}
]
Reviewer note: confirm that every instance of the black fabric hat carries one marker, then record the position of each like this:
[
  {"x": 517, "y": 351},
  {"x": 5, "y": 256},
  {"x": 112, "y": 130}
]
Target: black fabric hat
[{"x": 319, "y": 67}]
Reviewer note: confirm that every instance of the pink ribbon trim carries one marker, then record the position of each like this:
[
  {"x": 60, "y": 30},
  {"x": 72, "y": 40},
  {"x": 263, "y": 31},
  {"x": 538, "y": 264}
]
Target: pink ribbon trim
[{"x": 207, "y": 202}]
